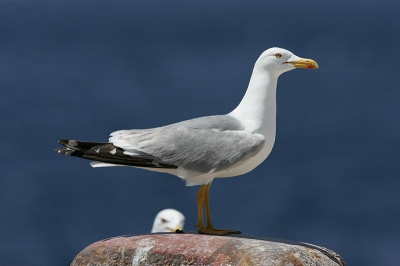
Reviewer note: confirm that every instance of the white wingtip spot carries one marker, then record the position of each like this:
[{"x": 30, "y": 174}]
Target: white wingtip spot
[
  {"x": 72, "y": 142},
  {"x": 113, "y": 151}
]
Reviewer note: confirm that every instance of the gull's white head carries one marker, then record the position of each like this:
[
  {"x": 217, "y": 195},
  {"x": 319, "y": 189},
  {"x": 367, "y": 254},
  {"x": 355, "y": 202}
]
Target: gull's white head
[
  {"x": 168, "y": 220},
  {"x": 277, "y": 60}
]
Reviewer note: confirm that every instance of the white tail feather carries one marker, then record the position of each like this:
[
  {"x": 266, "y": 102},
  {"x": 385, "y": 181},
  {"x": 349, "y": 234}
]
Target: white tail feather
[{"x": 101, "y": 164}]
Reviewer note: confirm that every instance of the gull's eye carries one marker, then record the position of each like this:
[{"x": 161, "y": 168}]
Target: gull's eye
[
  {"x": 278, "y": 55},
  {"x": 163, "y": 221}
]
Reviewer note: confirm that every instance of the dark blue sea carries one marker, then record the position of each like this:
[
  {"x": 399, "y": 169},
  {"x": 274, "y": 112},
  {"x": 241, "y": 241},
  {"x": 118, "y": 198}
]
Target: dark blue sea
[{"x": 83, "y": 69}]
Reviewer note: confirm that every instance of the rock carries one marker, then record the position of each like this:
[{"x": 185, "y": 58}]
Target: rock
[{"x": 196, "y": 249}]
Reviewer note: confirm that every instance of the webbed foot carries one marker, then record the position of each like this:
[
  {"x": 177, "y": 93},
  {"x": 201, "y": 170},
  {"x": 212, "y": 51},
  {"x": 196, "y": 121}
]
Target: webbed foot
[{"x": 217, "y": 232}]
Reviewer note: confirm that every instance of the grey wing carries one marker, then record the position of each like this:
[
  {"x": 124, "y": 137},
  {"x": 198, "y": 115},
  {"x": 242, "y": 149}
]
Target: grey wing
[{"x": 199, "y": 146}]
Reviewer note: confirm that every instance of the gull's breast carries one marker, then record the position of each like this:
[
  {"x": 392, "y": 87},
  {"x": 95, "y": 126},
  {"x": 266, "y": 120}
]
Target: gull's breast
[{"x": 251, "y": 163}]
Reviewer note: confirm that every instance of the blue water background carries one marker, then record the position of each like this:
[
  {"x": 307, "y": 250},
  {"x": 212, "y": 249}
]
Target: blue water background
[{"x": 82, "y": 69}]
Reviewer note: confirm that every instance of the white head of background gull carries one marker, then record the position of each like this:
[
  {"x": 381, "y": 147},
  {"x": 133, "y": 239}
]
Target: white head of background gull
[
  {"x": 168, "y": 220},
  {"x": 201, "y": 149}
]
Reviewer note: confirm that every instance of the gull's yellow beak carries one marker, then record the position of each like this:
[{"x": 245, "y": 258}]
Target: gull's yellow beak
[
  {"x": 178, "y": 229},
  {"x": 174, "y": 229},
  {"x": 305, "y": 63}
]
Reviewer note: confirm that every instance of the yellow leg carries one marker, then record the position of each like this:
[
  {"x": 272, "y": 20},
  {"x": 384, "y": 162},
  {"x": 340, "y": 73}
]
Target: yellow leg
[
  {"x": 207, "y": 205},
  {"x": 200, "y": 200},
  {"x": 204, "y": 198}
]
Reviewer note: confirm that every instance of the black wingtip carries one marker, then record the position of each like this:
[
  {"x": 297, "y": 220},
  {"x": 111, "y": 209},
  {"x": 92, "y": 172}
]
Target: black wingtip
[
  {"x": 63, "y": 141},
  {"x": 74, "y": 144}
]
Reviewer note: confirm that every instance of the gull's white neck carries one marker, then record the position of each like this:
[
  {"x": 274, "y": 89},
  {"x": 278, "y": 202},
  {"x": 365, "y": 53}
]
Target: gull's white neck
[{"x": 257, "y": 110}]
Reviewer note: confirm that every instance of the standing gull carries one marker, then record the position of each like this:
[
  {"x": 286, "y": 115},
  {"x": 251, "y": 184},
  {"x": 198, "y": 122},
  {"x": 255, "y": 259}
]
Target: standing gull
[{"x": 201, "y": 149}]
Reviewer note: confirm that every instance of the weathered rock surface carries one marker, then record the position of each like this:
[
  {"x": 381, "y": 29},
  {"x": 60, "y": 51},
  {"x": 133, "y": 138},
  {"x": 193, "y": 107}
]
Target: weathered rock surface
[{"x": 196, "y": 249}]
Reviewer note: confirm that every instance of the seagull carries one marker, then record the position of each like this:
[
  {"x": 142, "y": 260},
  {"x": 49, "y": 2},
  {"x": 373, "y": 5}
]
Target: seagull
[
  {"x": 168, "y": 220},
  {"x": 201, "y": 149}
]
